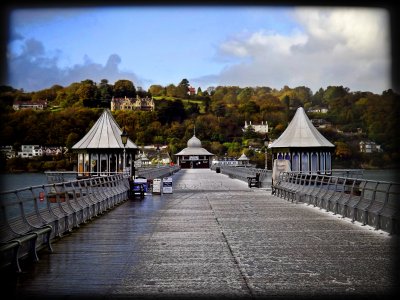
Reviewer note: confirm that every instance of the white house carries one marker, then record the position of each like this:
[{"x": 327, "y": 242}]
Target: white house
[
  {"x": 30, "y": 151},
  {"x": 369, "y": 147},
  {"x": 260, "y": 128}
]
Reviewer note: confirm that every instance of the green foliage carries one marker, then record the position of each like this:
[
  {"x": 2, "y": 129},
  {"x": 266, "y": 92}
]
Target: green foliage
[
  {"x": 250, "y": 133},
  {"x": 182, "y": 89},
  {"x": 170, "y": 111},
  {"x": 218, "y": 114},
  {"x": 249, "y": 108},
  {"x": 157, "y": 90},
  {"x": 124, "y": 88},
  {"x": 342, "y": 150}
]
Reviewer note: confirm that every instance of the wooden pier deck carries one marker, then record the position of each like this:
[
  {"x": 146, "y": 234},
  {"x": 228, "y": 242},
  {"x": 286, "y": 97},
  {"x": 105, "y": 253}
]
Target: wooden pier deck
[{"x": 213, "y": 237}]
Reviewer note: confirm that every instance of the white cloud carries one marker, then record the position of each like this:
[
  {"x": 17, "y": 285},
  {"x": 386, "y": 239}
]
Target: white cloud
[
  {"x": 359, "y": 31},
  {"x": 339, "y": 46},
  {"x": 34, "y": 69}
]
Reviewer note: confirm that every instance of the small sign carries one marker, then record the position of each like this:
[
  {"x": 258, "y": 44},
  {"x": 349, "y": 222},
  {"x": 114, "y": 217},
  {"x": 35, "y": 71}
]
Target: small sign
[
  {"x": 167, "y": 185},
  {"x": 193, "y": 157},
  {"x": 157, "y": 185}
]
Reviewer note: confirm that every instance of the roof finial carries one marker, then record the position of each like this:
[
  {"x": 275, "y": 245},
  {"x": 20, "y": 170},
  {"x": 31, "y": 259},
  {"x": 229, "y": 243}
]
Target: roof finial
[{"x": 194, "y": 130}]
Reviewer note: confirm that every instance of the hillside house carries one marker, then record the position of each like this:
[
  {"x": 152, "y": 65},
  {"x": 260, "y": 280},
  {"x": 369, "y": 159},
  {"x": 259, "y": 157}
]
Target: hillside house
[
  {"x": 259, "y": 128},
  {"x": 369, "y": 147},
  {"x": 37, "y": 105},
  {"x": 144, "y": 104}
]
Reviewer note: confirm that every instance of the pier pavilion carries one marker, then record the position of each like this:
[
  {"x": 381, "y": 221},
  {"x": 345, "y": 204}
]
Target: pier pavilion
[
  {"x": 303, "y": 146},
  {"x": 103, "y": 151},
  {"x": 243, "y": 160},
  {"x": 194, "y": 156}
]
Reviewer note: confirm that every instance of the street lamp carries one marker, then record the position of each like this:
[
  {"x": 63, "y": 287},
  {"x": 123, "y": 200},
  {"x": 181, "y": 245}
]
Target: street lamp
[
  {"x": 266, "y": 142},
  {"x": 124, "y": 140},
  {"x": 158, "y": 156}
]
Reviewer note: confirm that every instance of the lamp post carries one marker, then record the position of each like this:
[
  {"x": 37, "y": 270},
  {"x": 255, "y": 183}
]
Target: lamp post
[
  {"x": 266, "y": 142},
  {"x": 158, "y": 156},
  {"x": 124, "y": 140}
]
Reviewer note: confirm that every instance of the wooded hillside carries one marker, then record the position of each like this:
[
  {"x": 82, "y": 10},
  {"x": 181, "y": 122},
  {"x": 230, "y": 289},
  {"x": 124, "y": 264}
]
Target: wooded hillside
[{"x": 219, "y": 114}]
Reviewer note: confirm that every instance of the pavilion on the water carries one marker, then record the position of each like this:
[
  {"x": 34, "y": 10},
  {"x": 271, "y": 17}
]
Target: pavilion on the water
[
  {"x": 102, "y": 150},
  {"x": 303, "y": 146},
  {"x": 194, "y": 156}
]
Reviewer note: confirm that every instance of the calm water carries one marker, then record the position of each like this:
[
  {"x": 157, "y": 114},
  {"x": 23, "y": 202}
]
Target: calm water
[
  {"x": 383, "y": 175},
  {"x": 21, "y": 180},
  {"x": 16, "y": 181}
]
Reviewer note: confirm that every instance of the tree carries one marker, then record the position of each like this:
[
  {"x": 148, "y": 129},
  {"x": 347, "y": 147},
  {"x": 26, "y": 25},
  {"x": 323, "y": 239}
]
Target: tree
[
  {"x": 47, "y": 94},
  {"x": 249, "y": 108},
  {"x": 86, "y": 90},
  {"x": 342, "y": 150},
  {"x": 157, "y": 90},
  {"x": 303, "y": 94},
  {"x": 334, "y": 92},
  {"x": 124, "y": 88},
  {"x": 68, "y": 96},
  {"x": 230, "y": 97},
  {"x": 71, "y": 140},
  {"x": 316, "y": 99},
  {"x": 171, "y": 90},
  {"x": 184, "y": 83},
  {"x": 217, "y": 148},
  {"x": 245, "y": 95},
  {"x": 249, "y": 133},
  {"x": 182, "y": 89},
  {"x": 169, "y": 111},
  {"x": 218, "y": 94},
  {"x": 192, "y": 109},
  {"x": 105, "y": 90},
  {"x": 219, "y": 109}
]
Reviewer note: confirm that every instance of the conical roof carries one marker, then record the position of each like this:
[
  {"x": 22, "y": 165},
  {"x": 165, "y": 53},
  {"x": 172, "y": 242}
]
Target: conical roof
[
  {"x": 243, "y": 157},
  {"x": 301, "y": 133},
  {"x": 105, "y": 134}
]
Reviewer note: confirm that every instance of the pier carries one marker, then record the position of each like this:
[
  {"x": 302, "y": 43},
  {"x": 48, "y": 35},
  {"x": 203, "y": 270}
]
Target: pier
[{"x": 213, "y": 237}]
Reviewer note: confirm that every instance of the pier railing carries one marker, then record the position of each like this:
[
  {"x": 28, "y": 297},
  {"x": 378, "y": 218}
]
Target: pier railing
[
  {"x": 150, "y": 172},
  {"x": 157, "y": 172},
  {"x": 62, "y": 176},
  {"x": 374, "y": 203},
  {"x": 243, "y": 173},
  {"x": 31, "y": 217},
  {"x": 353, "y": 173}
]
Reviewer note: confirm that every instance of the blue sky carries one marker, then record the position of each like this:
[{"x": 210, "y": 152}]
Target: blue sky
[{"x": 210, "y": 46}]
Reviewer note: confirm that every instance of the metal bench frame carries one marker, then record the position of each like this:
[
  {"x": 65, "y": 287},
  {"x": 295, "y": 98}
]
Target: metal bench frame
[
  {"x": 374, "y": 203},
  {"x": 31, "y": 217}
]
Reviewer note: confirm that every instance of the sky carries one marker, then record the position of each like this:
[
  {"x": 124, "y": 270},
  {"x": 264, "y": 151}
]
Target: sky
[{"x": 241, "y": 46}]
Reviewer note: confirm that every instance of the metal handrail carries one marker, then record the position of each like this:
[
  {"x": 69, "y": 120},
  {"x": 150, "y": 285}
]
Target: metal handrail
[
  {"x": 242, "y": 173},
  {"x": 63, "y": 206},
  {"x": 363, "y": 200}
]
